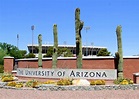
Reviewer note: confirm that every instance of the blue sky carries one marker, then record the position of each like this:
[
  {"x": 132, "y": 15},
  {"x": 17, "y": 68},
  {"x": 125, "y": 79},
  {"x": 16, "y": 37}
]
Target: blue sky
[{"x": 102, "y": 16}]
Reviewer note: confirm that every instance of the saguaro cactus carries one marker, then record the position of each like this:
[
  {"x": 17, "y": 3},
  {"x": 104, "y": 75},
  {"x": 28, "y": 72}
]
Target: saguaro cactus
[
  {"x": 78, "y": 28},
  {"x": 120, "y": 51},
  {"x": 55, "y": 48},
  {"x": 40, "y": 50}
]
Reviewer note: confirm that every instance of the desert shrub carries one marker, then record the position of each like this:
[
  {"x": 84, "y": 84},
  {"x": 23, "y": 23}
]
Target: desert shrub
[
  {"x": 19, "y": 85},
  {"x": 97, "y": 82},
  {"x": 11, "y": 84},
  {"x": 124, "y": 81},
  {"x": 15, "y": 84},
  {"x": 6, "y": 77},
  {"x": 64, "y": 82},
  {"x": 32, "y": 83},
  {"x": 92, "y": 82},
  {"x": 100, "y": 82}
]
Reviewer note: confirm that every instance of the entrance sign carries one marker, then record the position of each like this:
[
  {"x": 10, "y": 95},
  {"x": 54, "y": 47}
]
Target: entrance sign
[{"x": 68, "y": 73}]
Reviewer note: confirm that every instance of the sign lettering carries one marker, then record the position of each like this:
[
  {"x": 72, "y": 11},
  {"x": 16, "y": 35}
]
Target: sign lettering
[{"x": 68, "y": 73}]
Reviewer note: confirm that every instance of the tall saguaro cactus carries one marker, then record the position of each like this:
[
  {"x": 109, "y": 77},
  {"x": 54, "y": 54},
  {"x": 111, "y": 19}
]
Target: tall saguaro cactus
[
  {"x": 55, "y": 48},
  {"x": 120, "y": 51},
  {"x": 78, "y": 28},
  {"x": 40, "y": 50}
]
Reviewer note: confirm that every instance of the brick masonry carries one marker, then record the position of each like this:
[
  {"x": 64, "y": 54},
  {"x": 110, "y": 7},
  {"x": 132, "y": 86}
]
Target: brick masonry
[
  {"x": 8, "y": 64},
  {"x": 130, "y": 66}
]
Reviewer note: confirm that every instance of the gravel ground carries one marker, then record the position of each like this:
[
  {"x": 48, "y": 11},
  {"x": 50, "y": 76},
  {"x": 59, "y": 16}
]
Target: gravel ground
[{"x": 37, "y": 94}]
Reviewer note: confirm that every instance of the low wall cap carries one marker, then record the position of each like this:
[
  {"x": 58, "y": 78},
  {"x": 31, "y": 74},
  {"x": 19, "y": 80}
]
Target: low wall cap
[
  {"x": 8, "y": 57},
  {"x": 136, "y": 74}
]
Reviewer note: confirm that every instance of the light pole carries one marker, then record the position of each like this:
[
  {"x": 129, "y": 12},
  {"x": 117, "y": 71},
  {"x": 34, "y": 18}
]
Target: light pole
[
  {"x": 92, "y": 44},
  {"x": 86, "y": 28},
  {"x": 17, "y": 39},
  {"x": 32, "y": 28}
]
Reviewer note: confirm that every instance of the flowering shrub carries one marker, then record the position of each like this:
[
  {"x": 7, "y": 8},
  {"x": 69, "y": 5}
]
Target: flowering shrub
[
  {"x": 97, "y": 82},
  {"x": 64, "y": 82},
  {"x": 11, "y": 84},
  {"x": 50, "y": 82},
  {"x": 123, "y": 81},
  {"x": 32, "y": 83},
  {"x": 14, "y": 84},
  {"x": 19, "y": 85},
  {"x": 6, "y": 77}
]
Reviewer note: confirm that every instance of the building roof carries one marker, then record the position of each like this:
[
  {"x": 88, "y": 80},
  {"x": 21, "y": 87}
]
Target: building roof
[{"x": 66, "y": 46}]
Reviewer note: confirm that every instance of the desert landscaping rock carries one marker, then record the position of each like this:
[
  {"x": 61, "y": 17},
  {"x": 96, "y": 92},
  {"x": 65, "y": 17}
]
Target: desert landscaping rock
[{"x": 54, "y": 87}]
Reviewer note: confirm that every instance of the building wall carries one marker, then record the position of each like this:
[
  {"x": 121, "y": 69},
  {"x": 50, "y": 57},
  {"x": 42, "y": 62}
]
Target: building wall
[{"x": 131, "y": 65}]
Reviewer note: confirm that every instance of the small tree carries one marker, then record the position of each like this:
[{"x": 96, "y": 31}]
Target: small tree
[
  {"x": 49, "y": 52},
  {"x": 61, "y": 51},
  {"x": 23, "y": 53},
  {"x": 12, "y": 50},
  {"x": 65, "y": 52},
  {"x": 103, "y": 52},
  {"x": 2, "y": 54}
]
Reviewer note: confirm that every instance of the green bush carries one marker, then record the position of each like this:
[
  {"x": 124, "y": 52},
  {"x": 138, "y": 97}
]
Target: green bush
[
  {"x": 2, "y": 54},
  {"x": 30, "y": 55},
  {"x": 103, "y": 52},
  {"x": 1, "y": 68}
]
